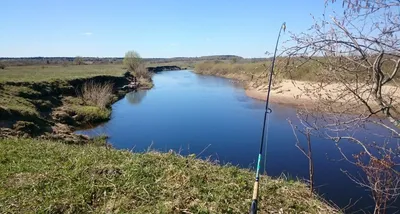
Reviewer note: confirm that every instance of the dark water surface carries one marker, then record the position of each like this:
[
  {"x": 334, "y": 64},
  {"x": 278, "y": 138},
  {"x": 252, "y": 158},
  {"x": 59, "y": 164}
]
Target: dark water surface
[{"x": 213, "y": 116}]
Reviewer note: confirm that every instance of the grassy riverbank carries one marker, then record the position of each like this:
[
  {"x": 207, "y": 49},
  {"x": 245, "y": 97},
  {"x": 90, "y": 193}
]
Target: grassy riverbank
[
  {"x": 52, "y": 177},
  {"x": 48, "y": 100}
]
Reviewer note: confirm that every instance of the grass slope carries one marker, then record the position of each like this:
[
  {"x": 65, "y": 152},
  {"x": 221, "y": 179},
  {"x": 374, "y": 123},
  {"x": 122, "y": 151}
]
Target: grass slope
[{"x": 51, "y": 177}]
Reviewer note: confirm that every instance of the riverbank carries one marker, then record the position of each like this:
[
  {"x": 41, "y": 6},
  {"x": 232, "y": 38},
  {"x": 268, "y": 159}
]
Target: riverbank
[
  {"x": 301, "y": 91},
  {"x": 53, "y": 108},
  {"x": 330, "y": 97},
  {"x": 43, "y": 176},
  {"x": 287, "y": 92}
]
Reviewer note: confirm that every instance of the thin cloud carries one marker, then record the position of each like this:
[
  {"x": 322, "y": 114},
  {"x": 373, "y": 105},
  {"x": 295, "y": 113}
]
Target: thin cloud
[{"x": 87, "y": 34}]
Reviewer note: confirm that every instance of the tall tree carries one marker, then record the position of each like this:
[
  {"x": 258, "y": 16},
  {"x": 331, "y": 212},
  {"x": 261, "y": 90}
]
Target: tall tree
[{"x": 132, "y": 60}]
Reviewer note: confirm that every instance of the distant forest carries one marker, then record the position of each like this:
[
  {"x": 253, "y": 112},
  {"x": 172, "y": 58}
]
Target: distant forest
[{"x": 20, "y": 61}]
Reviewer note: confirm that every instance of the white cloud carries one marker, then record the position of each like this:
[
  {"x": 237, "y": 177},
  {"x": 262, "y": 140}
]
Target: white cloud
[{"x": 87, "y": 34}]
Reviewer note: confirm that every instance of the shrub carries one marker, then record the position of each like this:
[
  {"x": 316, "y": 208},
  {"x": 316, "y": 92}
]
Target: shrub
[
  {"x": 97, "y": 94},
  {"x": 142, "y": 72}
]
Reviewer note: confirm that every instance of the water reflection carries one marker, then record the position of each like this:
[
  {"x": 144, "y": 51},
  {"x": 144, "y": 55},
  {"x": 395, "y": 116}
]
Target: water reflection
[{"x": 136, "y": 97}]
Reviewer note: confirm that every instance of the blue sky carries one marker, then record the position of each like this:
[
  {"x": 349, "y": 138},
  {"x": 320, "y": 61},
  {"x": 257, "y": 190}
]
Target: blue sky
[{"x": 154, "y": 28}]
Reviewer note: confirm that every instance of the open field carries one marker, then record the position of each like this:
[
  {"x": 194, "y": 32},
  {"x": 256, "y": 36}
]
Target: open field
[
  {"x": 36, "y": 73},
  {"x": 52, "y": 177}
]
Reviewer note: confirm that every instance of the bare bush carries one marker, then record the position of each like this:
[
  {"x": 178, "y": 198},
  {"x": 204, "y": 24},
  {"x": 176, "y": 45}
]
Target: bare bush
[
  {"x": 358, "y": 53},
  {"x": 141, "y": 72},
  {"x": 307, "y": 152},
  {"x": 97, "y": 94},
  {"x": 381, "y": 178}
]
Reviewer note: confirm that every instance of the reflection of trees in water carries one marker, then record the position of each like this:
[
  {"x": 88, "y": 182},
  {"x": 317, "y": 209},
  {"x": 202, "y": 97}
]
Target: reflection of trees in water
[{"x": 136, "y": 97}]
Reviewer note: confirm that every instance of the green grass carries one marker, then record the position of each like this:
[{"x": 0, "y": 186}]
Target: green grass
[
  {"x": 51, "y": 177},
  {"x": 86, "y": 113},
  {"x": 52, "y": 72},
  {"x": 12, "y": 100},
  {"x": 91, "y": 113}
]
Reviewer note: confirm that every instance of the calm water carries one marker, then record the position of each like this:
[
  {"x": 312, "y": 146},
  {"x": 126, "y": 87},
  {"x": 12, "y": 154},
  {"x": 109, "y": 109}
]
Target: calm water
[{"x": 197, "y": 114}]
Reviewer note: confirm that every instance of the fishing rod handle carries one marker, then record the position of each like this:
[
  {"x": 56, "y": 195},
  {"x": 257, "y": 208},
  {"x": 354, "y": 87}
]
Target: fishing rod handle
[
  {"x": 255, "y": 191},
  {"x": 253, "y": 208}
]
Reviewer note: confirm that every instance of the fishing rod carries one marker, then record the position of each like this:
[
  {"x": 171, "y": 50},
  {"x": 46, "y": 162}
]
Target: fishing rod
[{"x": 253, "y": 208}]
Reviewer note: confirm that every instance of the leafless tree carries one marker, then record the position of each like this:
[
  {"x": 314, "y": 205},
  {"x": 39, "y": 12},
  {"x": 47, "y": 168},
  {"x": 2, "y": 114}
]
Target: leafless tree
[
  {"x": 356, "y": 58},
  {"x": 307, "y": 152}
]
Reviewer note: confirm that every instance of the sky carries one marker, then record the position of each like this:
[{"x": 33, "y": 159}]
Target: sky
[{"x": 154, "y": 28}]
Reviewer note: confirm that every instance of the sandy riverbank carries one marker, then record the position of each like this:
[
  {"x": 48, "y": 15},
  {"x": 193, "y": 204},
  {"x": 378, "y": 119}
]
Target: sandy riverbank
[
  {"x": 278, "y": 98},
  {"x": 307, "y": 94},
  {"x": 285, "y": 92}
]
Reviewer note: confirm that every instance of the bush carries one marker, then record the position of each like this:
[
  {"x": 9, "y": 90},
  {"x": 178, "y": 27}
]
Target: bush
[
  {"x": 2, "y": 66},
  {"x": 142, "y": 72},
  {"x": 97, "y": 94}
]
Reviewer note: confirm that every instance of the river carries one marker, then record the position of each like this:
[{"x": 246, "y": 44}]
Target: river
[{"x": 212, "y": 117}]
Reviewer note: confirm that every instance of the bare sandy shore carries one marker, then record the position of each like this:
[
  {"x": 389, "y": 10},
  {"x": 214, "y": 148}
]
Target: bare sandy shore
[
  {"x": 307, "y": 94},
  {"x": 286, "y": 92},
  {"x": 278, "y": 98}
]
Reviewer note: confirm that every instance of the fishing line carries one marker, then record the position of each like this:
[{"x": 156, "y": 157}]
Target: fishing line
[{"x": 266, "y": 146}]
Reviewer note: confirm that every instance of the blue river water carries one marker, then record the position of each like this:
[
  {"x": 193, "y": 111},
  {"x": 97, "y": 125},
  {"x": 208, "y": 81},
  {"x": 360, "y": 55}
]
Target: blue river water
[{"x": 212, "y": 116}]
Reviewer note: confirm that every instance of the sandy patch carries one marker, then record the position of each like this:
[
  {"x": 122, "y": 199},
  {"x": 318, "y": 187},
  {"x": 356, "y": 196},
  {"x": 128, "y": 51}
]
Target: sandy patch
[{"x": 306, "y": 94}]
